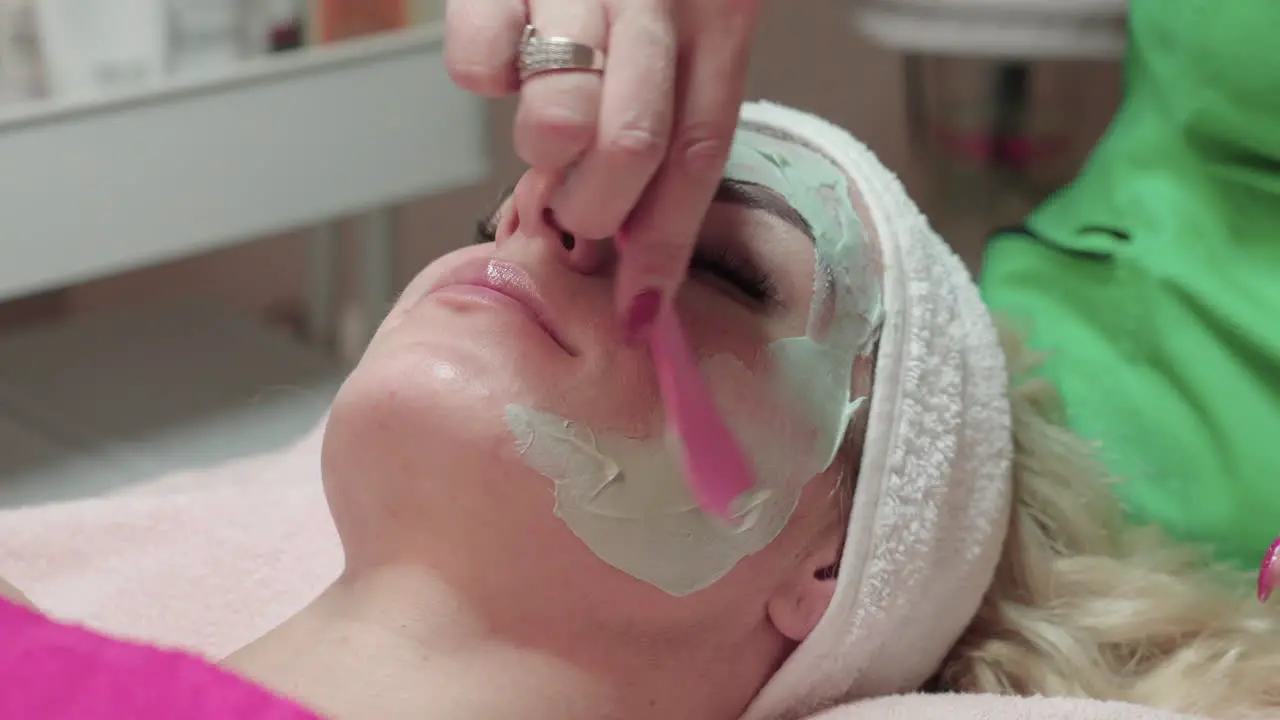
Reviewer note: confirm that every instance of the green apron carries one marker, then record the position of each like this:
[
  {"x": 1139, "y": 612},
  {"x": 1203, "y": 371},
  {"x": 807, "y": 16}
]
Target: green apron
[{"x": 1153, "y": 280}]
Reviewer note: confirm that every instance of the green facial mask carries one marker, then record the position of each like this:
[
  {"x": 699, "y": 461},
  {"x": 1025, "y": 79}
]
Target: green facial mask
[
  {"x": 845, "y": 311},
  {"x": 627, "y": 499}
]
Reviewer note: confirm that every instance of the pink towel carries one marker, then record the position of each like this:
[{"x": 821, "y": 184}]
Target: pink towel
[
  {"x": 206, "y": 560},
  {"x": 209, "y": 560},
  {"x": 41, "y": 660}
]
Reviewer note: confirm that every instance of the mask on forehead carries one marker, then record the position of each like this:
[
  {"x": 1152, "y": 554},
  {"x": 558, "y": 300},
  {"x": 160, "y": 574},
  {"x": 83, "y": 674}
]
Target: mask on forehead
[{"x": 627, "y": 499}]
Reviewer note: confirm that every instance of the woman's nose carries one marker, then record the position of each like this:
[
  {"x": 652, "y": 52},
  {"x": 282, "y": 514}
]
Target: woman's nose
[
  {"x": 589, "y": 257},
  {"x": 537, "y": 222}
]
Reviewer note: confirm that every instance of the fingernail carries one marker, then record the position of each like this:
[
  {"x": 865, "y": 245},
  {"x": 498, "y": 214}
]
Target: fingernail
[
  {"x": 640, "y": 316},
  {"x": 1267, "y": 580}
]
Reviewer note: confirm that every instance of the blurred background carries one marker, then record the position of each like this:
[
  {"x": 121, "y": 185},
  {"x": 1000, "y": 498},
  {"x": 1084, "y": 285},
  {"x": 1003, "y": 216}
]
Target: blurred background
[{"x": 206, "y": 205}]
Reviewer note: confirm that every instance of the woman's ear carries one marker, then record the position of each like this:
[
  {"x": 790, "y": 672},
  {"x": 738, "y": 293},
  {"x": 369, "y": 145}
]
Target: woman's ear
[{"x": 799, "y": 604}]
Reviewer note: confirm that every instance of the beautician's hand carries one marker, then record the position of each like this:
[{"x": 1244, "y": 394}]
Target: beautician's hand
[{"x": 644, "y": 143}]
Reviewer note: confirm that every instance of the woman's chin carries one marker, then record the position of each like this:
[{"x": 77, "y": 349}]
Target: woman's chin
[
  {"x": 430, "y": 405},
  {"x": 431, "y": 450}
]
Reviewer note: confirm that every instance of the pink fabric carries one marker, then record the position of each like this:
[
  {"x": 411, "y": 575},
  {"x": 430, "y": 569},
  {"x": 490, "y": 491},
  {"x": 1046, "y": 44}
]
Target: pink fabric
[
  {"x": 992, "y": 707},
  {"x": 50, "y": 671},
  {"x": 205, "y": 561},
  {"x": 209, "y": 560}
]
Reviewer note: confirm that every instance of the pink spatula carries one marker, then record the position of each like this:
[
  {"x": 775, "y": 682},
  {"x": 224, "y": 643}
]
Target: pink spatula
[{"x": 718, "y": 471}]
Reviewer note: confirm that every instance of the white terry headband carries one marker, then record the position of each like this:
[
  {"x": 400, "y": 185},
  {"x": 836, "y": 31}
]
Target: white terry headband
[{"x": 931, "y": 506}]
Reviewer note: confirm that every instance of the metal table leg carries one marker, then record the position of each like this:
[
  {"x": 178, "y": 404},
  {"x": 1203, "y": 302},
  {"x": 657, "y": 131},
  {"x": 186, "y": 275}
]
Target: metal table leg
[
  {"x": 322, "y": 285},
  {"x": 377, "y": 267}
]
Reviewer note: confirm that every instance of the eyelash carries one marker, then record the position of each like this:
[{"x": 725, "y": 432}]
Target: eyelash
[{"x": 741, "y": 273}]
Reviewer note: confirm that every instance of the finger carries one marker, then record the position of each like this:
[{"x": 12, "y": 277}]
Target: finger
[
  {"x": 530, "y": 200},
  {"x": 531, "y": 195},
  {"x": 661, "y": 232},
  {"x": 481, "y": 41},
  {"x": 636, "y": 113},
  {"x": 556, "y": 119}
]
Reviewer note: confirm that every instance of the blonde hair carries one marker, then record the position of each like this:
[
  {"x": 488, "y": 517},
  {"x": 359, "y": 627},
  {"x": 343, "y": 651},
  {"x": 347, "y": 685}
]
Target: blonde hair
[{"x": 1084, "y": 605}]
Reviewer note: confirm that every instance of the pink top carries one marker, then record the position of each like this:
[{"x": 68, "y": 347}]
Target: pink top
[{"x": 50, "y": 671}]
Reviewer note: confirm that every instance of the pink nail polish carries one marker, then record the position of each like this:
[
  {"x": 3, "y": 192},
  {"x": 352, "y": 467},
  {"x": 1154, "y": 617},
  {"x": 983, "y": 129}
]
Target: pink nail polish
[
  {"x": 640, "y": 316},
  {"x": 1266, "y": 575}
]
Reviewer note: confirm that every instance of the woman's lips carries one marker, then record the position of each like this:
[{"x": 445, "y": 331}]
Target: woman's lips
[{"x": 500, "y": 281}]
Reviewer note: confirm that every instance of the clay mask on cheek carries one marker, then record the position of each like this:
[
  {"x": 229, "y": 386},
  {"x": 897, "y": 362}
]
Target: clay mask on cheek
[
  {"x": 845, "y": 311},
  {"x": 627, "y": 498}
]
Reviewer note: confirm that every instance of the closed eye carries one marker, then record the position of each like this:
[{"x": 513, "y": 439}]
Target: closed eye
[{"x": 742, "y": 274}]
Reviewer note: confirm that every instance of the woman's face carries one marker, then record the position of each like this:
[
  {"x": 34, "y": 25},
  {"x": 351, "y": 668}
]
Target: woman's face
[{"x": 421, "y": 464}]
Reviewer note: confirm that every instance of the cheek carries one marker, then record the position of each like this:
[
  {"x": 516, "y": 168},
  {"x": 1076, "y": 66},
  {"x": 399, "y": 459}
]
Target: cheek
[
  {"x": 717, "y": 327},
  {"x": 771, "y": 428},
  {"x": 396, "y": 401},
  {"x": 620, "y": 399},
  {"x": 734, "y": 355}
]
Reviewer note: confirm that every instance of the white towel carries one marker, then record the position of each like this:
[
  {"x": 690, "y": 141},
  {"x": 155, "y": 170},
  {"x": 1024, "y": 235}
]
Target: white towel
[{"x": 933, "y": 494}]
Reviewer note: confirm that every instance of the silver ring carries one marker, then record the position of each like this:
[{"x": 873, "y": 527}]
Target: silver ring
[{"x": 552, "y": 54}]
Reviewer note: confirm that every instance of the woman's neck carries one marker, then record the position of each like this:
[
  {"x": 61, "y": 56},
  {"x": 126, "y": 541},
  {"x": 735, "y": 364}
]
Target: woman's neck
[{"x": 398, "y": 643}]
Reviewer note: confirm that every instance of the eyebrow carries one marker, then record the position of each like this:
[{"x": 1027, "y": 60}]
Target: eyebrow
[
  {"x": 758, "y": 197},
  {"x": 752, "y": 196}
]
